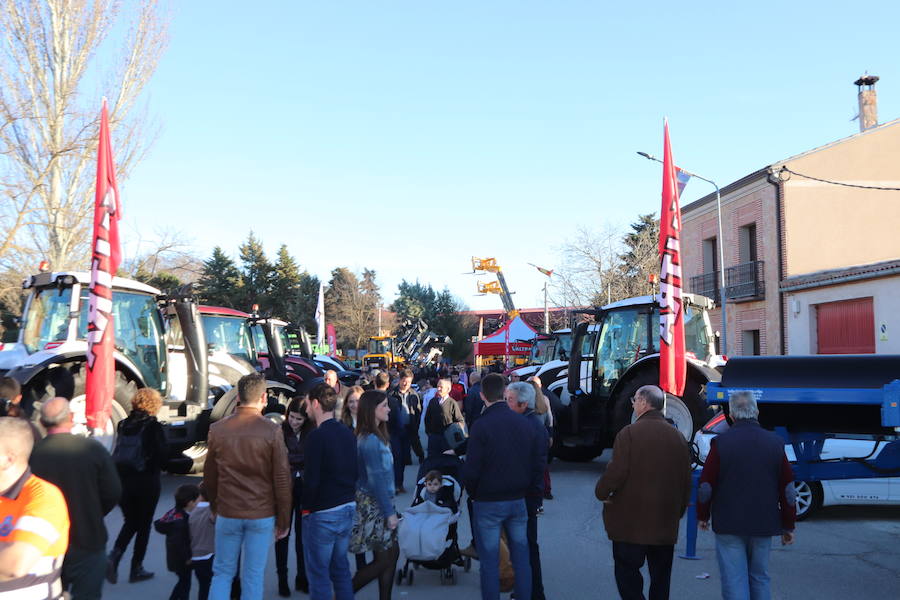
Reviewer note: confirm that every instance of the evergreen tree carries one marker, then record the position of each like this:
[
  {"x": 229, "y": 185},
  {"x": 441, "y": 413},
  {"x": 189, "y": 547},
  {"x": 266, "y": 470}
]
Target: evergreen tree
[
  {"x": 441, "y": 313},
  {"x": 641, "y": 256},
  {"x": 220, "y": 281},
  {"x": 414, "y": 301},
  {"x": 162, "y": 281},
  {"x": 448, "y": 321},
  {"x": 294, "y": 293},
  {"x": 284, "y": 298},
  {"x": 256, "y": 274},
  {"x": 308, "y": 294}
]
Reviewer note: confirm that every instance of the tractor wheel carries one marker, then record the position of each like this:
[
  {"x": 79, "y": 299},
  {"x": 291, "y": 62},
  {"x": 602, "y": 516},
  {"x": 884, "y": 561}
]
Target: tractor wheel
[
  {"x": 121, "y": 405},
  {"x": 575, "y": 453},
  {"x": 274, "y": 410},
  {"x": 688, "y": 412}
]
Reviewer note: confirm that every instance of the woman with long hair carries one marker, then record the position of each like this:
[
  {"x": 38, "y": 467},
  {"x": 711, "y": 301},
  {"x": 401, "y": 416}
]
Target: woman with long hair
[
  {"x": 141, "y": 482},
  {"x": 294, "y": 428},
  {"x": 351, "y": 406},
  {"x": 375, "y": 526}
]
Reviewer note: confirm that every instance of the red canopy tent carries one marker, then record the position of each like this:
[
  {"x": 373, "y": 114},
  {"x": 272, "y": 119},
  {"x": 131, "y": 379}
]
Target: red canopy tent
[{"x": 512, "y": 339}]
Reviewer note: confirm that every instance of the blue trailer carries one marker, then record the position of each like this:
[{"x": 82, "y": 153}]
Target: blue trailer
[{"x": 808, "y": 399}]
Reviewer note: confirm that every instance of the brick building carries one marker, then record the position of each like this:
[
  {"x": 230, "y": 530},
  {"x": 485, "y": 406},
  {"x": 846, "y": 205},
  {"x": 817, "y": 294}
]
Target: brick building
[{"x": 810, "y": 267}]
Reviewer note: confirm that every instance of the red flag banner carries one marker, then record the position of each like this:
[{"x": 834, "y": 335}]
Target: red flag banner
[
  {"x": 331, "y": 335},
  {"x": 672, "y": 365},
  {"x": 105, "y": 257}
]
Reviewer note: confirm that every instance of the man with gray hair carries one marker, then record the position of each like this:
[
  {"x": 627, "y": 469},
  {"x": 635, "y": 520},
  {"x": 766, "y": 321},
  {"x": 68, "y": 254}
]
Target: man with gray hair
[
  {"x": 84, "y": 472},
  {"x": 521, "y": 398},
  {"x": 645, "y": 491},
  {"x": 747, "y": 487}
]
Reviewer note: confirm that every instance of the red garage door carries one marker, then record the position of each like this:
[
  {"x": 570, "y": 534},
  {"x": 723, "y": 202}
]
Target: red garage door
[{"x": 846, "y": 327}]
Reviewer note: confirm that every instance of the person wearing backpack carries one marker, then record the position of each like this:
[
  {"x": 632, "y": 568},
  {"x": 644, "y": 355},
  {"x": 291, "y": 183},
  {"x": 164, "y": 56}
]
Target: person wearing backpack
[{"x": 139, "y": 455}]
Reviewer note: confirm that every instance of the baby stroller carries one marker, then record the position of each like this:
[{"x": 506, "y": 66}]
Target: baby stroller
[{"x": 427, "y": 532}]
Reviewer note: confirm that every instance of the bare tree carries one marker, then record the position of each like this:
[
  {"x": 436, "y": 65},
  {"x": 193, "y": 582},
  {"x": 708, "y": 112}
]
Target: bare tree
[
  {"x": 351, "y": 304},
  {"x": 600, "y": 267},
  {"x": 168, "y": 252},
  {"x": 587, "y": 269},
  {"x": 53, "y": 71}
]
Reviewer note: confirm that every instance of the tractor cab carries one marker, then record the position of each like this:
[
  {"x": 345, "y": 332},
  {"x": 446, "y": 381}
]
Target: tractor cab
[
  {"x": 54, "y": 350},
  {"x": 379, "y": 352},
  {"x": 625, "y": 332},
  {"x": 55, "y": 323},
  {"x": 616, "y": 354}
]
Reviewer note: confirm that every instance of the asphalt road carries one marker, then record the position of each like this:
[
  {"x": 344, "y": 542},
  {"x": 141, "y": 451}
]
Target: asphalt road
[{"x": 840, "y": 553}]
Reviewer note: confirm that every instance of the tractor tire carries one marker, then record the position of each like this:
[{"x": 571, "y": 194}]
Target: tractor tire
[
  {"x": 692, "y": 401},
  {"x": 575, "y": 453},
  {"x": 121, "y": 405}
]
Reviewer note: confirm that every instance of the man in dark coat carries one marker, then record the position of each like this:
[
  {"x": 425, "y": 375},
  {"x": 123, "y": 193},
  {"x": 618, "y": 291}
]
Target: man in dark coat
[
  {"x": 645, "y": 491},
  {"x": 749, "y": 483},
  {"x": 502, "y": 466},
  {"x": 520, "y": 397},
  {"x": 472, "y": 405},
  {"x": 84, "y": 472},
  {"x": 405, "y": 406}
]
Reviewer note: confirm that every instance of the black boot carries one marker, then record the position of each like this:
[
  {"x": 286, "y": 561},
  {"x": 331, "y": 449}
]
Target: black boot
[
  {"x": 139, "y": 574},
  {"x": 301, "y": 584},
  {"x": 284, "y": 590},
  {"x": 112, "y": 565}
]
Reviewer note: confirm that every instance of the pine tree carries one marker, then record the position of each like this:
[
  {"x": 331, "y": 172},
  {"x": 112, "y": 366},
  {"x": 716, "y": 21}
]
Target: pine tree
[
  {"x": 284, "y": 297},
  {"x": 220, "y": 282},
  {"x": 641, "y": 257},
  {"x": 448, "y": 321},
  {"x": 414, "y": 301},
  {"x": 308, "y": 295},
  {"x": 256, "y": 274}
]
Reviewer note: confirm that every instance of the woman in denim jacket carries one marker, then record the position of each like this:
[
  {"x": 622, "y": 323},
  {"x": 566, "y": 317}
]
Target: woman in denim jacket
[{"x": 375, "y": 526}]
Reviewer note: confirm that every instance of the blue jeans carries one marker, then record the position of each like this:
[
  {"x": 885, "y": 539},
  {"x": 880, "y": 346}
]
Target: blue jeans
[
  {"x": 744, "y": 566},
  {"x": 512, "y": 516},
  {"x": 250, "y": 537},
  {"x": 326, "y": 538}
]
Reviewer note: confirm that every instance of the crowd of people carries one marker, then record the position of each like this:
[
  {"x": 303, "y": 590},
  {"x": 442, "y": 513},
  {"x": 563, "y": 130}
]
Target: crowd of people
[{"x": 330, "y": 475}]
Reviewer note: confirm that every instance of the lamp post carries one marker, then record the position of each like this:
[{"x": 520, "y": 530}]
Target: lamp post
[{"x": 721, "y": 244}]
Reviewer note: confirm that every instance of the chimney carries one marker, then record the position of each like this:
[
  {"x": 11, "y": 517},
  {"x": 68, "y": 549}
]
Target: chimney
[{"x": 868, "y": 101}]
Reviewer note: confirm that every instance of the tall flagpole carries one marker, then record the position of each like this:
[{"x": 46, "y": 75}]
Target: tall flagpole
[{"x": 546, "y": 311}]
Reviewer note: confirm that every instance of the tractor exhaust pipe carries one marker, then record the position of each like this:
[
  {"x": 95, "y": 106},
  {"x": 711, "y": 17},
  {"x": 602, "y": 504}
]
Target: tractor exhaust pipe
[{"x": 195, "y": 350}]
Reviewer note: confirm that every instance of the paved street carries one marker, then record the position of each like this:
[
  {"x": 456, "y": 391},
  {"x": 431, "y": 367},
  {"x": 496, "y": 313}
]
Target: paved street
[{"x": 841, "y": 552}]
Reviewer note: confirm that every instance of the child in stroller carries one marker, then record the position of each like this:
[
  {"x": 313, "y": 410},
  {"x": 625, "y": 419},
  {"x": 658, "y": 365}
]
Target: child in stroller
[
  {"x": 436, "y": 490},
  {"x": 428, "y": 533}
]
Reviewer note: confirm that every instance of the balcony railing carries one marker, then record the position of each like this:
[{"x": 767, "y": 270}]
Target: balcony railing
[
  {"x": 706, "y": 285},
  {"x": 745, "y": 281}
]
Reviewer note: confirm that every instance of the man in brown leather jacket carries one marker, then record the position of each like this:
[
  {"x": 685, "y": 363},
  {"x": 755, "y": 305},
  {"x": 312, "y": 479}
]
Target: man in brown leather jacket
[{"x": 248, "y": 481}]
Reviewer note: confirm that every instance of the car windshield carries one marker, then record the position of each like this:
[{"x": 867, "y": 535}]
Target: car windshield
[
  {"x": 229, "y": 334},
  {"x": 47, "y": 319}
]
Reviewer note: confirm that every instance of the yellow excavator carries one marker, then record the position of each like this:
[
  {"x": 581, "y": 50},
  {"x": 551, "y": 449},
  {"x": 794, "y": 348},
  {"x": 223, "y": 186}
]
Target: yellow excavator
[{"x": 381, "y": 352}]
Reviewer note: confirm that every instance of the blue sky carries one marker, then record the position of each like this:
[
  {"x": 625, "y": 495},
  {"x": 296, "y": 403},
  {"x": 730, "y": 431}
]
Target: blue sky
[{"x": 408, "y": 136}]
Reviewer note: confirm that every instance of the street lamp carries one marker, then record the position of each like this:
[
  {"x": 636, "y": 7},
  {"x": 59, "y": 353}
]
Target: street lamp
[{"x": 720, "y": 244}]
